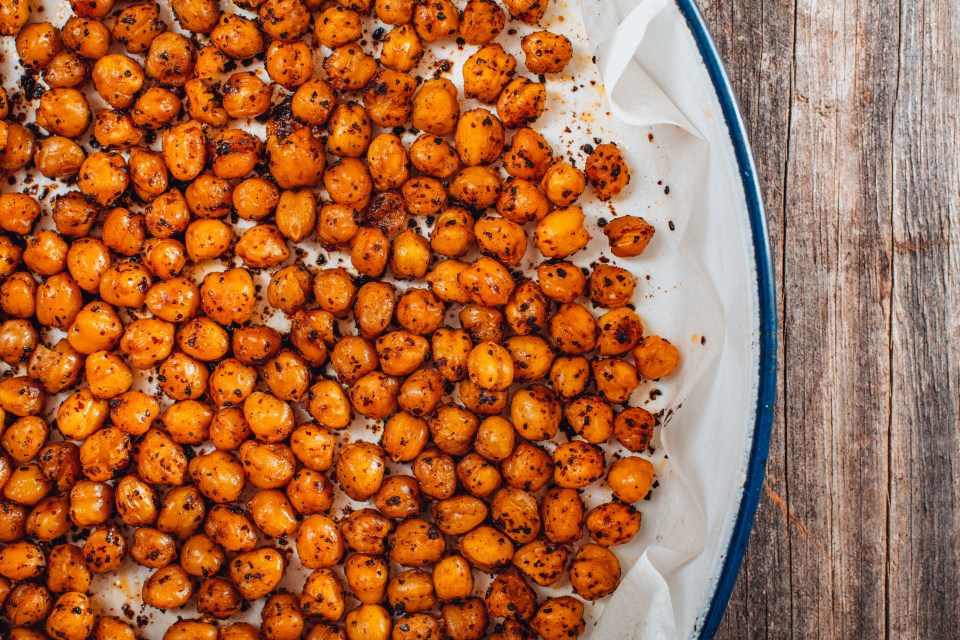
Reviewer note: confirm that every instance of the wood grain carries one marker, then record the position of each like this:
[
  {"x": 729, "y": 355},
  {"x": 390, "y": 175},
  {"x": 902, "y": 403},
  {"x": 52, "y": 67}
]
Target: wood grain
[{"x": 852, "y": 110}]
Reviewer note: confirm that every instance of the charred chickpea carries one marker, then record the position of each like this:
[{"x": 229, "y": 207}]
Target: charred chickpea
[
  {"x": 255, "y": 198},
  {"x": 88, "y": 37},
  {"x": 257, "y": 572},
  {"x": 655, "y": 357},
  {"x": 444, "y": 281},
  {"x": 573, "y": 329},
  {"x": 607, "y": 171},
  {"x": 282, "y": 618},
  {"x": 476, "y": 187},
  {"x": 238, "y": 37},
  {"x": 558, "y": 618},
  {"x": 591, "y": 417},
  {"x": 349, "y": 68},
  {"x": 613, "y": 523},
  {"x": 313, "y": 102},
  {"x": 401, "y": 49},
  {"x": 420, "y": 393},
  {"x": 404, "y": 436},
  {"x": 563, "y": 183},
  {"x": 168, "y": 588},
  {"x": 546, "y": 52},
  {"x": 424, "y": 195},
  {"x": 398, "y": 497},
  {"x": 388, "y": 97},
  {"x": 297, "y": 160},
  {"x": 284, "y": 20},
  {"x": 66, "y": 70},
  {"x": 155, "y": 108},
  {"x": 481, "y": 22},
  {"x": 615, "y": 379},
  {"x": 137, "y": 26},
  {"x": 486, "y": 73},
  {"x": 152, "y": 548},
  {"x": 245, "y": 95},
  {"x": 37, "y": 44},
  {"x": 628, "y": 236},
  {"x": 528, "y": 467},
  {"x": 337, "y": 26},
  {"x": 619, "y": 331},
  {"x": 92, "y": 8}
]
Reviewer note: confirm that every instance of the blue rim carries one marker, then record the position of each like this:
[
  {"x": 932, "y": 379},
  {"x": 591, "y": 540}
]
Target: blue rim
[{"x": 767, "y": 372}]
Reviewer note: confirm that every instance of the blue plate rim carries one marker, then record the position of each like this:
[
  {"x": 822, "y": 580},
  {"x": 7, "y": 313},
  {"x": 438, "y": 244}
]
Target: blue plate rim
[{"x": 767, "y": 369}]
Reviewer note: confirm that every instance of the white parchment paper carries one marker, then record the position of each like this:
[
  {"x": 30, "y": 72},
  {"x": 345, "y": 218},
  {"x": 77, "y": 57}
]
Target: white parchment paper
[{"x": 635, "y": 79}]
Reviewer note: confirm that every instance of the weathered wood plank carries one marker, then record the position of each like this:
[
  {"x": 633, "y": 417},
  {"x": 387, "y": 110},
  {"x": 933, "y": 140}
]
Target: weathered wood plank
[
  {"x": 924, "y": 572},
  {"x": 756, "y": 38}
]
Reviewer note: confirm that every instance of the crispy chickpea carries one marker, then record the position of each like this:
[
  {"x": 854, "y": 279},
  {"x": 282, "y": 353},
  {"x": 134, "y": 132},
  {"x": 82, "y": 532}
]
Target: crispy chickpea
[
  {"x": 453, "y": 429},
  {"x": 272, "y": 513},
  {"x": 118, "y": 78},
  {"x": 208, "y": 239},
  {"x": 21, "y": 396},
  {"x": 563, "y": 183},
  {"x": 310, "y": 492},
  {"x": 487, "y": 282},
  {"x": 13, "y": 15},
  {"x": 50, "y": 519},
  {"x": 57, "y": 368},
  {"x": 546, "y": 52},
  {"x": 22, "y": 561},
  {"x": 282, "y": 618},
  {"x": 416, "y": 543},
  {"x": 228, "y": 429},
  {"x": 323, "y": 596},
  {"x": 398, "y": 497},
  {"x": 27, "y": 604},
  {"x": 46, "y": 253},
  {"x": 366, "y": 531},
  {"x": 483, "y": 323},
  {"x": 541, "y": 561},
  {"x": 59, "y": 300},
  {"x": 182, "y": 513},
  {"x": 373, "y": 308},
  {"x": 298, "y": 160},
  {"x": 424, "y": 196},
  {"x": 218, "y": 476},
  {"x": 257, "y": 572},
  {"x": 437, "y": 474},
  {"x": 328, "y": 405},
  {"x": 255, "y": 344},
  {"x": 148, "y": 173},
  {"x": 168, "y": 588},
  {"x": 209, "y": 196},
  {"x": 185, "y": 150},
  {"x": 573, "y": 329},
  {"x": 352, "y": 358},
  {"x": 289, "y": 64},
  {"x": 591, "y": 417},
  {"x": 561, "y": 281},
  {"x": 452, "y": 578},
  {"x": 134, "y": 412},
  {"x": 501, "y": 239},
  {"x": 238, "y": 37},
  {"x": 459, "y": 514},
  {"x": 411, "y": 591},
  {"x": 97, "y": 327},
  {"x": 182, "y": 377},
  {"x": 481, "y": 22},
  {"x": 201, "y": 557},
  {"x": 606, "y": 170},
  {"x": 404, "y": 436},
  {"x": 444, "y": 281},
  {"x": 170, "y": 59},
  {"x": 509, "y": 596},
  {"x": 477, "y": 476},
  {"x": 13, "y": 518},
  {"x": 360, "y": 469},
  {"x": 136, "y": 26},
  {"x": 284, "y": 20},
  {"x": 136, "y": 501},
  {"x": 453, "y": 232},
  {"x": 113, "y": 629},
  {"x": 64, "y": 112},
  {"x": 245, "y": 95},
  {"x": 231, "y": 528},
  {"x": 387, "y": 161},
  {"x": 615, "y": 379},
  {"x": 152, "y": 548},
  {"x": 490, "y": 366},
  {"x": 255, "y": 198},
  {"x": 559, "y": 618},
  {"x": 173, "y": 300},
  {"x": 289, "y": 288},
  {"x": 417, "y": 625},
  {"x": 401, "y": 49},
  {"x": 435, "y": 20},
  {"x": 58, "y": 158},
  {"x": 349, "y": 68},
  {"x": 18, "y": 339},
  {"x": 528, "y": 467},
  {"x": 401, "y": 353},
  {"x": 312, "y": 102},
  {"x": 235, "y": 152},
  {"x": 18, "y": 295},
  {"x": 105, "y": 453},
  {"x": 217, "y": 597},
  {"x": 486, "y": 549},
  {"x": 160, "y": 460},
  {"x": 228, "y": 296},
  {"x": 561, "y": 233},
  {"x": 367, "y": 577},
  {"x": 37, "y": 44},
  {"x": 619, "y": 331},
  {"x": 477, "y": 187},
  {"x": 435, "y": 107},
  {"x": 18, "y": 151},
  {"x": 198, "y": 16},
  {"x": 369, "y": 622},
  {"x": 562, "y": 513},
  {"x": 147, "y": 341},
  {"x": 628, "y": 236},
  {"x": 521, "y": 102},
  {"x": 167, "y": 214},
  {"x": 326, "y": 632},
  {"x": 485, "y": 74},
  {"x": 348, "y": 183},
  {"x": 103, "y": 177},
  {"x": 105, "y": 549},
  {"x": 388, "y": 97},
  {"x": 155, "y": 108},
  {"x": 88, "y": 37},
  {"x": 630, "y": 478},
  {"x": 434, "y": 156},
  {"x": 370, "y": 251},
  {"x": 337, "y": 26},
  {"x": 655, "y": 357},
  {"x": 420, "y": 393},
  {"x": 577, "y": 464},
  {"x": 262, "y": 246},
  {"x": 613, "y": 523},
  {"x": 268, "y": 466},
  {"x": 81, "y": 414},
  {"x": 67, "y": 569},
  {"x": 611, "y": 287}
]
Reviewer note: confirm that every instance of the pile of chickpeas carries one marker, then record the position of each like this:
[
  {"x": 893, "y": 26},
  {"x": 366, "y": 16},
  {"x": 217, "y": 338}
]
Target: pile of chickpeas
[{"x": 496, "y": 390}]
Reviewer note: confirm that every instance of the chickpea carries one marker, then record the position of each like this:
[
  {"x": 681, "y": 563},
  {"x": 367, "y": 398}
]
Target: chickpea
[
  {"x": 434, "y": 156},
  {"x": 562, "y": 513},
  {"x": 168, "y": 588},
  {"x": 257, "y": 572},
  {"x": 615, "y": 379},
  {"x": 591, "y": 417},
  {"x": 64, "y": 112},
  {"x": 22, "y": 561},
  {"x": 96, "y": 328},
  {"x": 312, "y": 334},
  {"x": 245, "y": 95},
  {"x": 18, "y": 339},
  {"x": 509, "y": 596},
  {"x": 160, "y": 460},
  {"x": 388, "y": 97},
  {"x": 118, "y": 78},
  {"x": 619, "y": 331},
  {"x": 238, "y": 37},
  {"x": 173, "y": 300},
  {"x": 655, "y": 357},
  {"x": 272, "y": 513},
  {"x": 420, "y": 393},
  {"x": 444, "y": 281},
  {"x": 401, "y": 49},
  {"x": 483, "y": 323},
  {"x": 481, "y": 22},
  {"x": 134, "y": 412},
  {"x": 477, "y": 187},
  {"x": 521, "y": 102},
  {"x": 398, "y": 497},
  {"x": 81, "y": 414},
  {"x": 452, "y": 578},
  {"x": 435, "y": 107},
  {"x": 348, "y": 183},
  {"x": 152, "y": 548},
  {"x": 459, "y": 514},
  {"x": 310, "y": 492},
  {"x": 105, "y": 549},
  {"x": 436, "y": 472},
  {"x": 18, "y": 295},
  {"x": 137, "y": 26},
  {"x": 424, "y": 195},
  {"x": 370, "y": 251},
  {"x": 542, "y": 562},
  {"x": 218, "y": 476},
  {"x": 37, "y": 44},
  {"x": 13, "y": 16},
  {"x": 558, "y": 618},
  {"x": 46, "y": 253},
  {"x": 113, "y": 629},
  {"x": 289, "y": 64},
  {"x": 607, "y": 171},
  {"x": 337, "y": 26},
  {"x": 628, "y": 236},
  {"x": 268, "y": 466},
  {"x": 105, "y": 453},
  {"x": 170, "y": 59},
  {"x": 313, "y": 102},
  {"x": 487, "y": 282},
  {"x": 546, "y": 52},
  {"x": 256, "y": 198},
  {"x": 228, "y": 429},
  {"x": 529, "y": 156},
  {"x": 323, "y": 596},
  {"x": 416, "y": 543},
  {"x": 67, "y": 569},
  {"x": 349, "y": 68},
  {"x": 298, "y": 160},
  {"x": 417, "y": 625},
  {"x": 198, "y": 16},
  {"x": 27, "y": 604},
  {"x": 57, "y": 368},
  {"x": 529, "y": 467},
  {"x": 58, "y": 158},
  {"x": 282, "y": 618},
  {"x": 485, "y": 74},
  {"x": 231, "y": 528},
  {"x": 136, "y": 501},
  {"x": 191, "y": 630},
  {"x": 88, "y": 37},
  {"x": 18, "y": 151},
  {"x": 217, "y": 597},
  {"x": 201, "y": 557},
  {"x": 361, "y": 469},
  {"x": 366, "y": 531}
]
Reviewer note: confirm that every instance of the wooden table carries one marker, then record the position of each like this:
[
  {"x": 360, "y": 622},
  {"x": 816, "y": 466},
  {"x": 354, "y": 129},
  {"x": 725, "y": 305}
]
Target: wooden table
[{"x": 852, "y": 109}]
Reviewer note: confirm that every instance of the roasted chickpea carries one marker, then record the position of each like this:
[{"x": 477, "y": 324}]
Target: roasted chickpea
[
  {"x": 170, "y": 59},
  {"x": 245, "y": 95},
  {"x": 297, "y": 160},
  {"x": 628, "y": 236},
  {"x": 559, "y": 618},
  {"x": 134, "y": 411},
  {"x": 591, "y": 417},
  {"x": 67, "y": 569},
  {"x": 421, "y": 392},
  {"x": 437, "y": 474},
  {"x": 607, "y": 170},
  {"x": 113, "y": 629},
  {"x": 238, "y": 37},
  {"x": 398, "y": 497},
  {"x": 152, "y": 548},
  {"x": 528, "y": 467},
  {"x": 97, "y": 327},
  {"x": 56, "y": 368},
  {"x": 400, "y": 353},
  {"x": 485, "y": 74},
  {"x": 185, "y": 150},
  {"x": 434, "y": 156},
  {"x": 105, "y": 453},
  {"x": 262, "y": 246},
  {"x": 369, "y": 252},
  {"x": 198, "y": 16},
  {"x": 459, "y": 514},
  {"x": 416, "y": 543},
  {"x": 18, "y": 151},
  {"x": 655, "y": 357},
  {"x": 13, "y": 16},
  {"x": 615, "y": 379},
  {"x": 88, "y": 37},
  {"x": 541, "y": 561},
  {"x": 373, "y": 308},
  {"x": 562, "y": 513},
  {"x": 182, "y": 513},
  {"x": 105, "y": 549},
  {"x": 155, "y": 108},
  {"x": 289, "y": 64},
  {"x": 535, "y": 412},
  {"x": 619, "y": 331},
  {"x": 486, "y": 549},
  {"x": 546, "y": 52},
  {"x": 136, "y": 26},
  {"x": 231, "y": 528},
  {"x": 284, "y": 20},
  {"x": 282, "y": 618},
  {"x": 218, "y": 476},
  {"x": 272, "y": 513},
  {"x": 424, "y": 195},
  {"x": 201, "y": 557},
  {"x": 118, "y": 78},
  {"x": 323, "y": 596},
  {"x": 481, "y": 22},
  {"x": 58, "y": 158},
  {"x": 136, "y": 501},
  {"x": 228, "y": 429},
  {"x": 310, "y": 492},
  {"x": 148, "y": 173},
  {"x": 125, "y": 285},
  {"x": 509, "y": 596},
  {"x": 257, "y": 572},
  {"x": 349, "y": 68},
  {"x": 160, "y": 460},
  {"x": 435, "y": 107},
  {"x": 27, "y": 604},
  {"x": 444, "y": 281},
  {"x": 228, "y": 296},
  {"x": 401, "y": 49},
  {"x": 476, "y": 187},
  {"x": 268, "y": 466},
  {"x": 217, "y": 597},
  {"x": 313, "y": 102},
  {"x": 483, "y": 323},
  {"x": 487, "y": 282},
  {"x": 64, "y": 112},
  {"x": 348, "y": 183},
  {"x": 577, "y": 464},
  {"x": 328, "y": 404},
  {"x": 168, "y": 588},
  {"x": 18, "y": 339},
  {"x": 451, "y": 349},
  {"x": 37, "y": 44},
  {"x": 360, "y": 469}
]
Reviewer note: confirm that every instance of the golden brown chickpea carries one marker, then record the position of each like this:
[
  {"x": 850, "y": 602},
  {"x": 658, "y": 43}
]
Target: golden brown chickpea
[
  {"x": 118, "y": 78},
  {"x": 562, "y": 513},
  {"x": 335, "y": 291},
  {"x": 229, "y": 430},
  {"x": 155, "y": 108},
  {"x": 167, "y": 214},
  {"x": 542, "y": 562},
  {"x": 453, "y": 232},
  {"x": 18, "y": 295},
  {"x": 323, "y": 596},
  {"x": 21, "y": 396},
  {"x": 37, "y": 44},
  {"x": 619, "y": 331},
  {"x": 13, "y": 518},
  {"x": 521, "y": 102},
  {"x": 401, "y": 49},
  {"x": 10, "y": 256},
  {"x": 387, "y": 162},
  {"x": 450, "y": 351},
  {"x": 509, "y": 596},
  {"x": 289, "y": 64},
  {"x": 611, "y": 287},
  {"x": 486, "y": 549},
  {"x": 50, "y": 519},
  {"x": 483, "y": 323},
  {"x": 18, "y": 151},
  {"x": 398, "y": 497},
  {"x": 528, "y": 467},
  {"x": 630, "y": 478},
  {"x": 160, "y": 460},
  {"x": 18, "y": 338},
  {"x": 113, "y": 629},
  {"x": 417, "y": 625},
  {"x": 313, "y": 446},
  {"x": 235, "y": 152},
  {"x": 487, "y": 282},
  {"x": 479, "y": 137},
  {"x": 435, "y": 107},
  {"x": 88, "y": 37},
  {"x": 201, "y": 557},
  {"x": 152, "y": 548},
  {"x": 435, "y": 20},
  {"x": 228, "y": 296},
  {"x": 476, "y": 187},
  {"x": 444, "y": 281},
  {"x": 633, "y": 428},
  {"x": 231, "y": 528},
  {"x": 369, "y": 252},
  {"x": 105, "y": 549},
  {"x": 360, "y": 469},
  {"x": 170, "y": 59},
  {"x": 485, "y": 74},
  {"x": 103, "y": 177},
  {"x": 577, "y": 464},
  {"x": 559, "y": 618},
  {"x": 147, "y": 342},
  {"x": 13, "y": 15},
  {"x": 217, "y": 597},
  {"x": 22, "y": 561},
  {"x": 326, "y": 632},
  {"x": 348, "y": 183},
  {"x": 655, "y": 357},
  {"x": 628, "y": 236},
  {"x": 573, "y": 329},
  {"x": 284, "y": 20},
  {"x": 136, "y": 26},
  {"x": 296, "y": 214},
  {"x": 367, "y": 577},
  {"x": 124, "y": 231},
  {"x": 272, "y": 513},
  {"x": 436, "y": 472},
  {"x": 328, "y": 404},
  {"x": 453, "y": 429},
  {"x": 105, "y": 453},
  {"x": 490, "y": 366},
  {"x": 337, "y": 26},
  {"x": 615, "y": 379},
  {"x": 591, "y": 417},
  {"x": 522, "y": 201},
  {"x": 168, "y": 588},
  {"x": 97, "y": 327},
  {"x": 198, "y": 16},
  {"x": 349, "y": 68},
  {"x": 238, "y": 37},
  {"x": 352, "y": 358},
  {"x": 400, "y": 353},
  {"x": 366, "y": 531},
  {"x": 256, "y": 573},
  {"x": 208, "y": 239},
  {"x": 613, "y": 523},
  {"x": 255, "y": 198},
  {"x": 477, "y": 476},
  {"x": 209, "y": 196},
  {"x": 535, "y": 412},
  {"x": 56, "y": 368},
  {"x": 369, "y": 622},
  {"x": 268, "y": 466},
  {"x": 262, "y": 246},
  {"x": 319, "y": 542},
  {"x": 46, "y": 253},
  {"x": 185, "y": 150},
  {"x": 59, "y": 300},
  {"x": 373, "y": 308},
  {"x": 125, "y": 285},
  {"x": 80, "y": 414},
  {"x": 289, "y": 288},
  {"x": 245, "y": 95},
  {"x": 174, "y": 300},
  {"x": 434, "y": 156},
  {"x": 421, "y": 392},
  {"x": 561, "y": 232},
  {"x": 282, "y": 618},
  {"x": 28, "y": 604},
  {"x": 133, "y": 412},
  {"x": 459, "y": 514},
  {"x": 67, "y": 570},
  {"x": 58, "y": 157},
  {"x": 298, "y": 160},
  {"x": 312, "y": 103},
  {"x": 66, "y": 70},
  {"x": 91, "y": 503},
  {"x": 218, "y": 476},
  {"x": 416, "y": 543},
  {"x": 546, "y": 52},
  {"x": 481, "y": 22},
  {"x": 310, "y": 492},
  {"x": 411, "y": 591},
  {"x": 501, "y": 239},
  {"x": 136, "y": 501}
]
